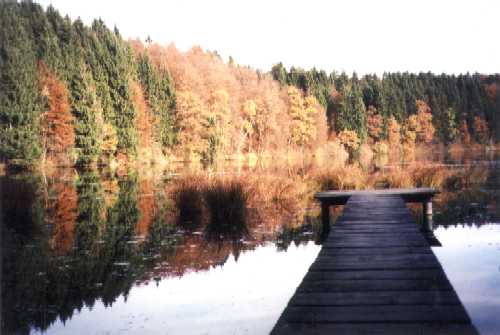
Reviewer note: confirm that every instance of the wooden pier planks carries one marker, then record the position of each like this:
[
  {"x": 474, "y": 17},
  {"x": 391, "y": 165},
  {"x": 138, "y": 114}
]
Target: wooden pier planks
[{"x": 376, "y": 274}]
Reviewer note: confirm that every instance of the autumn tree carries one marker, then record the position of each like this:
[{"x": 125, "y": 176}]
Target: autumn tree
[
  {"x": 393, "y": 131},
  {"x": 350, "y": 140},
  {"x": 302, "y": 113},
  {"x": 481, "y": 130},
  {"x": 220, "y": 123},
  {"x": 193, "y": 125},
  {"x": 57, "y": 122},
  {"x": 424, "y": 129},
  {"x": 248, "y": 123},
  {"x": 375, "y": 124},
  {"x": 144, "y": 120},
  {"x": 464, "y": 132},
  {"x": 410, "y": 130}
]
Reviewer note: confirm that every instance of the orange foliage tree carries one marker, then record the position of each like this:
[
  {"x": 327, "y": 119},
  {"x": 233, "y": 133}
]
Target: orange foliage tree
[
  {"x": 193, "y": 126},
  {"x": 425, "y": 130},
  {"x": 258, "y": 107},
  {"x": 481, "y": 130},
  {"x": 58, "y": 132},
  {"x": 61, "y": 215},
  {"x": 464, "y": 132},
  {"x": 374, "y": 124},
  {"x": 145, "y": 122},
  {"x": 410, "y": 131}
]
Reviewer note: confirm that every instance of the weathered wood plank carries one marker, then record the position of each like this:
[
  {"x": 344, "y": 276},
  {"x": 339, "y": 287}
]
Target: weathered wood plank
[
  {"x": 376, "y": 274},
  {"x": 374, "y": 285},
  {"x": 380, "y": 313},
  {"x": 428, "y": 297},
  {"x": 372, "y": 329},
  {"x": 375, "y": 251},
  {"x": 416, "y": 274}
]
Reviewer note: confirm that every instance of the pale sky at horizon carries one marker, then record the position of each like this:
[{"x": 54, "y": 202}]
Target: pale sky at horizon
[{"x": 361, "y": 35}]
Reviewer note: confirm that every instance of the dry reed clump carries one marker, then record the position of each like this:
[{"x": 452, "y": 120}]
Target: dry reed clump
[
  {"x": 188, "y": 200},
  {"x": 226, "y": 202},
  {"x": 223, "y": 202},
  {"x": 429, "y": 176},
  {"x": 395, "y": 178},
  {"x": 351, "y": 177},
  {"x": 274, "y": 190}
]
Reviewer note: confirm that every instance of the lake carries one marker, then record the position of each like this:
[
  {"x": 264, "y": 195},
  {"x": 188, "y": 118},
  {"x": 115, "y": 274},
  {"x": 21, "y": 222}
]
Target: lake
[{"x": 215, "y": 251}]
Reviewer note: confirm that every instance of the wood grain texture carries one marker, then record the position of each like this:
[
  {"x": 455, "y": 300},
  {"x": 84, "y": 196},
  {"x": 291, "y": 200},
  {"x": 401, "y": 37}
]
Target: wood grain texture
[{"x": 375, "y": 274}]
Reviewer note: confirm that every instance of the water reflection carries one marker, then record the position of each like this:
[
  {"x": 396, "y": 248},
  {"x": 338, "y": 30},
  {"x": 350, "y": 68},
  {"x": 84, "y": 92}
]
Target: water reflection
[
  {"x": 74, "y": 247},
  {"x": 150, "y": 254},
  {"x": 242, "y": 297},
  {"x": 470, "y": 256}
]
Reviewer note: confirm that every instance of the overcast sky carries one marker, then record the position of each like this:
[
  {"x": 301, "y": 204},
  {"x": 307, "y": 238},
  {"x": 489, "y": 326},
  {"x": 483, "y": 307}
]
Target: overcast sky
[{"x": 361, "y": 35}]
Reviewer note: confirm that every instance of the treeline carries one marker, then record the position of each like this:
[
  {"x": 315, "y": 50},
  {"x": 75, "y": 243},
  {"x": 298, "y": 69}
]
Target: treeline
[
  {"x": 69, "y": 93},
  {"x": 464, "y": 108},
  {"x": 76, "y": 95}
]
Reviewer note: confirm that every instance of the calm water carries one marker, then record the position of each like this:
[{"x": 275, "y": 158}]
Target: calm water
[
  {"x": 470, "y": 256},
  {"x": 97, "y": 253}
]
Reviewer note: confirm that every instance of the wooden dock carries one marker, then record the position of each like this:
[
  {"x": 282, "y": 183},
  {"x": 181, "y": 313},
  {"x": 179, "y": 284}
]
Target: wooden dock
[{"x": 375, "y": 274}]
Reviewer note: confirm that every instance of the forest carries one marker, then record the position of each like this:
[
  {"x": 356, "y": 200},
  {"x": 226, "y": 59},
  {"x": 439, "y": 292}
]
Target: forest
[{"x": 83, "y": 96}]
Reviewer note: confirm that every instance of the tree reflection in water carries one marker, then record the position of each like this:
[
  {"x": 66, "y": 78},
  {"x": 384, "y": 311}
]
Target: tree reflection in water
[{"x": 69, "y": 242}]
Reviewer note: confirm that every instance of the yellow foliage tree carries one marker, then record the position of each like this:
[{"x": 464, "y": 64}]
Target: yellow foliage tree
[
  {"x": 220, "y": 122},
  {"x": 393, "y": 131},
  {"x": 248, "y": 124},
  {"x": 410, "y": 131},
  {"x": 302, "y": 113},
  {"x": 193, "y": 125},
  {"x": 349, "y": 139}
]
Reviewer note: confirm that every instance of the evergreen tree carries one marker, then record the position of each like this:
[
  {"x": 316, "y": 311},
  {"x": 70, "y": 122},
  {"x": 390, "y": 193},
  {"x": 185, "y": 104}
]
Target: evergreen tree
[
  {"x": 20, "y": 99},
  {"x": 160, "y": 92},
  {"x": 351, "y": 111},
  {"x": 88, "y": 117}
]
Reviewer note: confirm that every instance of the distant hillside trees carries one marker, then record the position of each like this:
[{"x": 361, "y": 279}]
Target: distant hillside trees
[
  {"x": 454, "y": 102},
  {"x": 81, "y": 95},
  {"x": 80, "y": 100}
]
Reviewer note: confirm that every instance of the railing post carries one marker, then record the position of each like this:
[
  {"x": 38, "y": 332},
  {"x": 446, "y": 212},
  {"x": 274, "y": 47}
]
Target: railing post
[
  {"x": 427, "y": 214},
  {"x": 325, "y": 215}
]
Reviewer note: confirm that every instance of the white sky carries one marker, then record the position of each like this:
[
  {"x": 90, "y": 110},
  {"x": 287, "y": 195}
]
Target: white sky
[{"x": 362, "y": 35}]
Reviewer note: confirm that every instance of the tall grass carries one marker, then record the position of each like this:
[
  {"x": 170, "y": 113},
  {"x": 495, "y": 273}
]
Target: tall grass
[
  {"x": 351, "y": 177},
  {"x": 227, "y": 206},
  {"x": 430, "y": 176},
  {"x": 188, "y": 200},
  {"x": 395, "y": 178}
]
